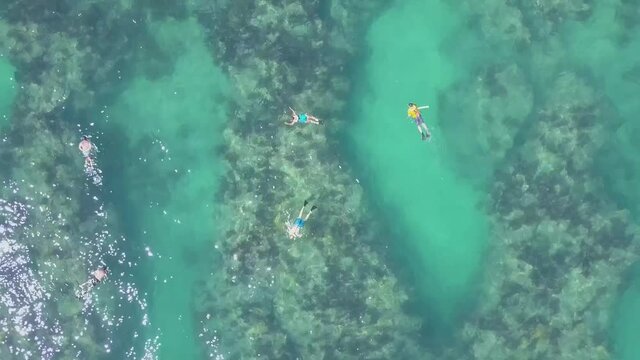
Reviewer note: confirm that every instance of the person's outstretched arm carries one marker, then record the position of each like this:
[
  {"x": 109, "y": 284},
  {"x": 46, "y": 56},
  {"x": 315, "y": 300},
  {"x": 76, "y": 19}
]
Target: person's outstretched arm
[
  {"x": 290, "y": 123},
  {"x": 423, "y": 107}
]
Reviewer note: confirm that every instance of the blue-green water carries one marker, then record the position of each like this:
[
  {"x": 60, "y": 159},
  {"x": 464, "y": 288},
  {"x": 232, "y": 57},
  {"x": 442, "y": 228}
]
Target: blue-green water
[
  {"x": 7, "y": 89},
  {"x": 172, "y": 125},
  {"x": 512, "y": 231},
  {"x": 436, "y": 215}
]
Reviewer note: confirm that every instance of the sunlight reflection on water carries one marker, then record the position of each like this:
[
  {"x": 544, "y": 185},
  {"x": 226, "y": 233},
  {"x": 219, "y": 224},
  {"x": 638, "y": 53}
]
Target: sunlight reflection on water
[{"x": 39, "y": 316}]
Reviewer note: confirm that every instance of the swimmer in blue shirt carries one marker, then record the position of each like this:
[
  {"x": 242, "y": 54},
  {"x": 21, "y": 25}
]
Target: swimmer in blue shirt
[
  {"x": 302, "y": 118},
  {"x": 294, "y": 229}
]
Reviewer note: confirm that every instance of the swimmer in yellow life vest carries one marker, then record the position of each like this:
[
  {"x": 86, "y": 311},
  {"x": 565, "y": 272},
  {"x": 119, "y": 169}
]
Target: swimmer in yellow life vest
[{"x": 414, "y": 113}]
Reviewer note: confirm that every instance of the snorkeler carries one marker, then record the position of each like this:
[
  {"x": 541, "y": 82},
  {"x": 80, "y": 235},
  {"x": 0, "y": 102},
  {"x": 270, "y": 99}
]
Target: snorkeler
[
  {"x": 85, "y": 146},
  {"x": 414, "y": 113},
  {"x": 302, "y": 118},
  {"x": 294, "y": 229},
  {"x": 96, "y": 278}
]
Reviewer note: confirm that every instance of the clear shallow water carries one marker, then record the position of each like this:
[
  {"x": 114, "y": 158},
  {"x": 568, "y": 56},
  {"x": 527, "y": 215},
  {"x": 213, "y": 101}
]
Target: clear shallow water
[
  {"x": 171, "y": 127},
  {"x": 606, "y": 48},
  {"x": 38, "y": 297},
  {"x": 435, "y": 214},
  {"x": 157, "y": 150},
  {"x": 434, "y": 193},
  {"x": 609, "y": 51},
  {"x": 7, "y": 90},
  {"x": 158, "y": 139}
]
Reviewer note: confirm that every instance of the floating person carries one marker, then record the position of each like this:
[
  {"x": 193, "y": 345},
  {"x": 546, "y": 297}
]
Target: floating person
[
  {"x": 96, "y": 278},
  {"x": 85, "y": 146},
  {"x": 302, "y": 118},
  {"x": 414, "y": 113},
  {"x": 294, "y": 229},
  {"x": 87, "y": 149}
]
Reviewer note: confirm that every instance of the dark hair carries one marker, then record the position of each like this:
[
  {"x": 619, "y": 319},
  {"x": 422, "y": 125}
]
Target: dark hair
[
  {"x": 103, "y": 268},
  {"x": 412, "y": 104},
  {"x": 85, "y": 137}
]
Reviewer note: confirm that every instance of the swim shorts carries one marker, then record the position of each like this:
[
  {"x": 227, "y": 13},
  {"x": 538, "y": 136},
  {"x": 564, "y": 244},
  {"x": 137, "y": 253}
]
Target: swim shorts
[
  {"x": 302, "y": 118},
  {"x": 418, "y": 120},
  {"x": 299, "y": 223}
]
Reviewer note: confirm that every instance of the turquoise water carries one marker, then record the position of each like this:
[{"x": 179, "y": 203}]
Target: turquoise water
[
  {"x": 436, "y": 215},
  {"x": 626, "y": 320},
  {"x": 604, "y": 46},
  {"x": 511, "y": 234},
  {"x": 172, "y": 126},
  {"x": 7, "y": 89}
]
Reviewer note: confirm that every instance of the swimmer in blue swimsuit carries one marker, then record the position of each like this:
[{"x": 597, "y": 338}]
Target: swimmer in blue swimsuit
[
  {"x": 295, "y": 229},
  {"x": 302, "y": 118}
]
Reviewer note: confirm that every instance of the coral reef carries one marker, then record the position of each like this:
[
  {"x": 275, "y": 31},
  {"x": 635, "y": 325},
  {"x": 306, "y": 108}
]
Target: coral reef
[
  {"x": 520, "y": 23},
  {"x": 58, "y": 58},
  {"x": 329, "y": 294},
  {"x": 491, "y": 108},
  {"x": 561, "y": 245}
]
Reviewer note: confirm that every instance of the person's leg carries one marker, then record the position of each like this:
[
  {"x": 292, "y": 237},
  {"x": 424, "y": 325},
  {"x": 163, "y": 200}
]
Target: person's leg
[
  {"x": 426, "y": 129},
  {"x": 303, "y": 206},
  {"x": 309, "y": 214},
  {"x": 84, "y": 289},
  {"x": 422, "y": 134},
  {"x": 85, "y": 285},
  {"x": 420, "y": 123}
]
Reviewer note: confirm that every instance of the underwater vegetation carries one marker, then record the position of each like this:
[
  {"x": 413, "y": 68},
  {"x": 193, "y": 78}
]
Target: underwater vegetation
[
  {"x": 331, "y": 297},
  {"x": 560, "y": 248},
  {"x": 560, "y": 243},
  {"x": 39, "y": 142},
  {"x": 64, "y": 229},
  {"x": 329, "y": 294}
]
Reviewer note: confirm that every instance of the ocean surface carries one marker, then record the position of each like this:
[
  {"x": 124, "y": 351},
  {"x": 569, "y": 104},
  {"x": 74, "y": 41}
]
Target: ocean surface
[{"x": 168, "y": 115}]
